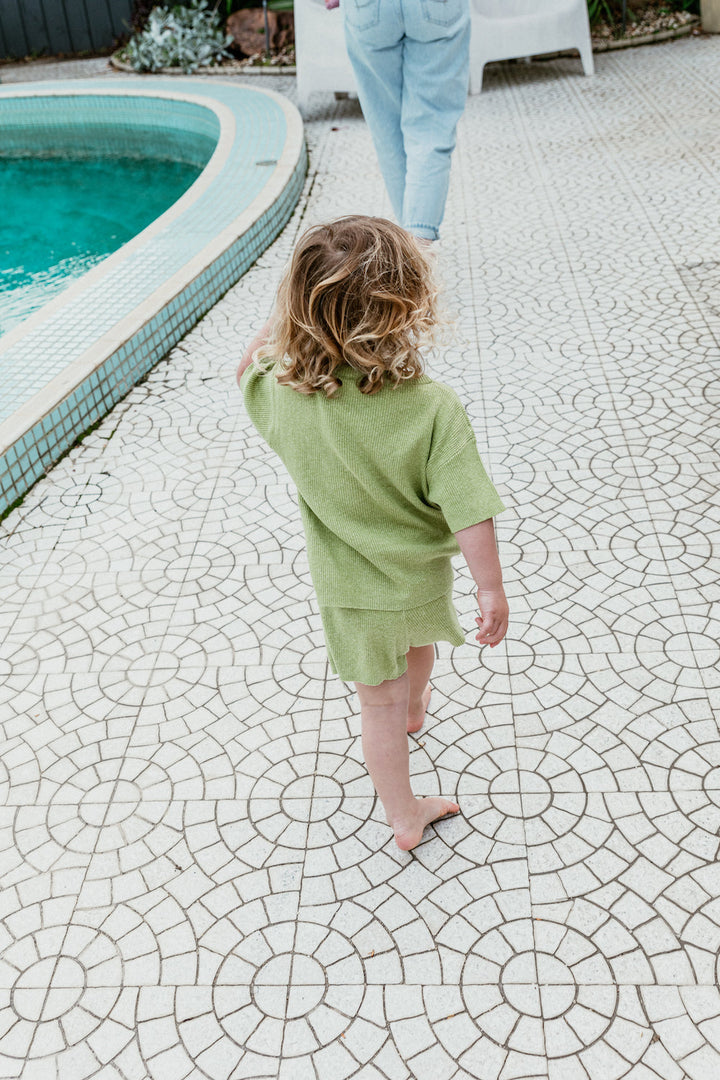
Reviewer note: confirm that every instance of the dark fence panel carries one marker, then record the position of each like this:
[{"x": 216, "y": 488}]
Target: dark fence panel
[
  {"x": 37, "y": 27},
  {"x": 57, "y": 36},
  {"x": 13, "y": 28}
]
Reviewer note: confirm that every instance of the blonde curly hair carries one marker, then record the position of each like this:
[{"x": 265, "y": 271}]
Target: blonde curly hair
[{"x": 358, "y": 291}]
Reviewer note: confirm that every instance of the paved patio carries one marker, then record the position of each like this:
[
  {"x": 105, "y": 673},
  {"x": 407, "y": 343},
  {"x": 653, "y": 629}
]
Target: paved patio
[{"x": 197, "y": 879}]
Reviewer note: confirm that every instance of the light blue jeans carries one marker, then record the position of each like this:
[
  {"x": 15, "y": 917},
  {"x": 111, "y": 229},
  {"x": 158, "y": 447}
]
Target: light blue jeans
[{"x": 411, "y": 63}]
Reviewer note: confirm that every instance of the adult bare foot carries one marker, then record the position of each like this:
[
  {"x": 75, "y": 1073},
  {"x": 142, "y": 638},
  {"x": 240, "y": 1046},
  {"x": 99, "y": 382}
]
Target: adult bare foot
[
  {"x": 409, "y": 833},
  {"x": 416, "y": 717}
]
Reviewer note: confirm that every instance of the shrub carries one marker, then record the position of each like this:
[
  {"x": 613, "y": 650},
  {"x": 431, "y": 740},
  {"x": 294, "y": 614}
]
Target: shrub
[
  {"x": 610, "y": 11},
  {"x": 188, "y": 37}
]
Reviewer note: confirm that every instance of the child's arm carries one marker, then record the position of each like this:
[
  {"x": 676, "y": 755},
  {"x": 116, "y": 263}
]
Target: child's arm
[
  {"x": 255, "y": 344},
  {"x": 477, "y": 544}
]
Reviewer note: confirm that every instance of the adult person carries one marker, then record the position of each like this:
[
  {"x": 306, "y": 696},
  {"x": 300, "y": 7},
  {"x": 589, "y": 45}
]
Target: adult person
[{"x": 411, "y": 62}]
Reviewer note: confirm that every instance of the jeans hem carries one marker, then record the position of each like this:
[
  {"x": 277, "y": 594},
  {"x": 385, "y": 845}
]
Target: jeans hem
[{"x": 425, "y": 232}]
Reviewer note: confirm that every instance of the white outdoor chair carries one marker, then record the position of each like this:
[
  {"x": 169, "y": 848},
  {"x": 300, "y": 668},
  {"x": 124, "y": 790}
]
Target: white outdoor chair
[
  {"x": 320, "y": 55},
  {"x": 507, "y": 29}
]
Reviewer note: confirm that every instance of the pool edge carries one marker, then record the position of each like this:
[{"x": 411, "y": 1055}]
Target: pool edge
[{"x": 41, "y": 431}]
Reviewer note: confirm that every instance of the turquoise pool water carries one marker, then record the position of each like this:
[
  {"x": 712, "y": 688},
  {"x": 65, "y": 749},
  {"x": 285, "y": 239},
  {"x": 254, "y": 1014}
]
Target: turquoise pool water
[{"x": 59, "y": 216}]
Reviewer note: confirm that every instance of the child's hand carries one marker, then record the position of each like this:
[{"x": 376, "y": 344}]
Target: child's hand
[
  {"x": 494, "y": 614},
  {"x": 330, "y": 4}
]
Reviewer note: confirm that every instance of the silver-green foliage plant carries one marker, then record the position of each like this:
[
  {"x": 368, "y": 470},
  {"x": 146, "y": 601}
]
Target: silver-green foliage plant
[{"x": 183, "y": 37}]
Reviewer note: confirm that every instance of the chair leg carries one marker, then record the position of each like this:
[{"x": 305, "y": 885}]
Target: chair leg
[
  {"x": 586, "y": 55},
  {"x": 476, "y": 77}
]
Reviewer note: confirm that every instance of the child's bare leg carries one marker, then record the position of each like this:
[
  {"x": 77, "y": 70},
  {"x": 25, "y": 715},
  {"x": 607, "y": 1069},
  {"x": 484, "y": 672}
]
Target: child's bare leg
[
  {"x": 384, "y": 711},
  {"x": 420, "y": 662}
]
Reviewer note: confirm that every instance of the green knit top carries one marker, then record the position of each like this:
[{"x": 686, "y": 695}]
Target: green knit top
[{"x": 383, "y": 480}]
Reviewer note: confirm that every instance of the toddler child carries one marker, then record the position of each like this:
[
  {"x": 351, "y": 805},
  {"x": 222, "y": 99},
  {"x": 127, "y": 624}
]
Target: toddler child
[{"x": 388, "y": 476}]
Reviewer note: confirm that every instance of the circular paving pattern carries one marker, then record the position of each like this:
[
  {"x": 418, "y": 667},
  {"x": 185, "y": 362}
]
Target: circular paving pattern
[
  {"x": 291, "y": 802},
  {"x": 64, "y": 979},
  {"x": 552, "y": 676},
  {"x": 692, "y": 795},
  {"x": 315, "y": 799},
  {"x": 326, "y": 800},
  {"x": 91, "y": 495},
  {"x": 284, "y": 690},
  {"x": 520, "y": 798},
  {"x": 711, "y": 783},
  {"x": 114, "y": 817},
  {"x": 109, "y": 805},
  {"x": 657, "y": 547},
  {"x": 288, "y": 989},
  {"x": 521, "y": 794},
  {"x": 292, "y": 985},
  {"x": 64, "y": 985},
  {"x": 681, "y": 652},
  {"x": 540, "y": 1001},
  {"x": 172, "y": 568},
  {"x": 305, "y": 981},
  {"x": 693, "y": 650},
  {"x": 163, "y": 665},
  {"x": 523, "y": 979},
  {"x": 19, "y": 664}
]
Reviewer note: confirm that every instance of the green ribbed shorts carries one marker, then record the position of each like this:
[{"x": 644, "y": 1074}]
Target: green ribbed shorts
[{"x": 370, "y": 646}]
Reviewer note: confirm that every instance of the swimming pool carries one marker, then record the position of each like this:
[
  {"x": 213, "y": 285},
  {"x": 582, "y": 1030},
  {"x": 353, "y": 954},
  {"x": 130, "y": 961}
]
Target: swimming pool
[
  {"x": 64, "y": 215},
  {"x": 63, "y": 367}
]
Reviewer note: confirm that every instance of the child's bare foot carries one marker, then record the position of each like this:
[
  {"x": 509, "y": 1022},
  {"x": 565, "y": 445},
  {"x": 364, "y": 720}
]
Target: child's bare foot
[
  {"x": 416, "y": 717},
  {"x": 409, "y": 832}
]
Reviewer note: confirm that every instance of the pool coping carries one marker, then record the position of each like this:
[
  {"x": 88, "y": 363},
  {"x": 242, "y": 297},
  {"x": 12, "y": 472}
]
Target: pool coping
[{"x": 258, "y": 224}]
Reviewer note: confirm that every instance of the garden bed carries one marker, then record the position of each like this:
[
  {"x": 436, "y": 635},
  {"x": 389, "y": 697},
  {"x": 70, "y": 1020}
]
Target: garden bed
[
  {"x": 253, "y": 65},
  {"x": 652, "y": 23}
]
